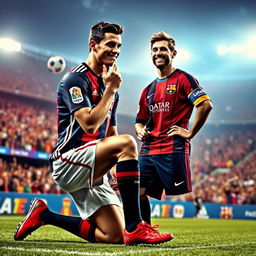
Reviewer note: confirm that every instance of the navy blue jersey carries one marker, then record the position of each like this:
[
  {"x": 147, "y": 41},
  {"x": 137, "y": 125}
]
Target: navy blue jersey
[{"x": 80, "y": 87}]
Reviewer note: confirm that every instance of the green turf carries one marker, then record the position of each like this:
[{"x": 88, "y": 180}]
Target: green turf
[{"x": 192, "y": 237}]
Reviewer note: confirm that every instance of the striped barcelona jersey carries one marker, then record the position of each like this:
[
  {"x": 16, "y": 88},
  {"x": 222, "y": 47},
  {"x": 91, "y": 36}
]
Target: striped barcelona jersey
[
  {"x": 167, "y": 102},
  {"x": 80, "y": 87}
]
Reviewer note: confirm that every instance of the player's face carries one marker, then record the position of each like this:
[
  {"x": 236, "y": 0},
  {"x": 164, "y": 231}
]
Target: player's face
[
  {"x": 161, "y": 54},
  {"x": 108, "y": 49}
]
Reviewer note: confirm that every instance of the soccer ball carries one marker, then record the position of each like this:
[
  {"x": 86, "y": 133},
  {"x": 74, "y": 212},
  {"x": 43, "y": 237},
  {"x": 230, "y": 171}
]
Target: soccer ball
[{"x": 56, "y": 64}]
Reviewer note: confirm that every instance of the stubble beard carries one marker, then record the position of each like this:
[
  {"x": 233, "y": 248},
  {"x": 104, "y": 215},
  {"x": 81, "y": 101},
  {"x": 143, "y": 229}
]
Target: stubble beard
[{"x": 162, "y": 66}]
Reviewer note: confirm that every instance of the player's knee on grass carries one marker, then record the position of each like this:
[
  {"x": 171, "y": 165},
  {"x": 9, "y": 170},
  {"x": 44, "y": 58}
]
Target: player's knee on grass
[
  {"x": 117, "y": 240},
  {"x": 114, "y": 237}
]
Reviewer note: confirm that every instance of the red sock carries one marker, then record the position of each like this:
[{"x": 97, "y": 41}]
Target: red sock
[{"x": 87, "y": 230}]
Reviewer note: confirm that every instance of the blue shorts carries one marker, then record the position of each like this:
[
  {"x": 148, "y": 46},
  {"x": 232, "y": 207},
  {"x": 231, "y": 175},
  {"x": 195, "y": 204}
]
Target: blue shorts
[{"x": 169, "y": 172}]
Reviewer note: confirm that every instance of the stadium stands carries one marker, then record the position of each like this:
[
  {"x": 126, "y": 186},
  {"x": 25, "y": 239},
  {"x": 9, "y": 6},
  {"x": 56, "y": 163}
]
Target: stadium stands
[
  {"x": 24, "y": 178},
  {"x": 28, "y": 76},
  {"x": 226, "y": 146},
  {"x": 31, "y": 126}
]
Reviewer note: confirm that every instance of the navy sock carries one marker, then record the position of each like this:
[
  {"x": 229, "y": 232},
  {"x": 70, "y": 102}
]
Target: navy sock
[
  {"x": 127, "y": 173},
  {"x": 145, "y": 208},
  {"x": 75, "y": 225}
]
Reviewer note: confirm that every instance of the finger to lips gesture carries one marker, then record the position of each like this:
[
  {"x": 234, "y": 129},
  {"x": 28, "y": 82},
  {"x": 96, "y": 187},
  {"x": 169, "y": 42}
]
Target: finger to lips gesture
[{"x": 112, "y": 79}]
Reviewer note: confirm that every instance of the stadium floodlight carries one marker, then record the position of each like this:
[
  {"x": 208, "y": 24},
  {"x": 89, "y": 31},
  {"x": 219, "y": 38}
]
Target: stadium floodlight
[
  {"x": 247, "y": 48},
  {"x": 9, "y": 45},
  {"x": 251, "y": 46},
  {"x": 234, "y": 48},
  {"x": 183, "y": 55},
  {"x": 222, "y": 49}
]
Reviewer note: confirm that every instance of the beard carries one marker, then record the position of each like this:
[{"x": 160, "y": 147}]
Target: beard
[{"x": 162, "y": 65}]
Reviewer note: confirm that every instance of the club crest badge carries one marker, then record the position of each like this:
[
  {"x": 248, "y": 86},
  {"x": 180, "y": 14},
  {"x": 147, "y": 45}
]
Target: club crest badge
[
  {"x": 76, "y": 95},
  {"x": 171, "y": 88}
]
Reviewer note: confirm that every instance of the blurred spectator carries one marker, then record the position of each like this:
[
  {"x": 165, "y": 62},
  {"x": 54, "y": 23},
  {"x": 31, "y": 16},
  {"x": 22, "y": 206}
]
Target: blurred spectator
[
  {"x": 232, "y": 188},
  {"x": 250, "y": 195},
  {"x": 198, "y": 202},
  {"x": 2, "y": 187}
]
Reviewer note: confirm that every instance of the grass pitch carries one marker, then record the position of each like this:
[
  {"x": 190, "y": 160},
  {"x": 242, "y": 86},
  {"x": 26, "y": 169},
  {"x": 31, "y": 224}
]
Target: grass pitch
[{"x": 192, "y": 237}]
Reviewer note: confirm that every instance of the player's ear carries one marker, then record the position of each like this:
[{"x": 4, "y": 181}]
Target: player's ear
[
  {"x": 174, "y": 53},
  {"x": 151, "y": 53},
  {"x": 92, "y": 45}
]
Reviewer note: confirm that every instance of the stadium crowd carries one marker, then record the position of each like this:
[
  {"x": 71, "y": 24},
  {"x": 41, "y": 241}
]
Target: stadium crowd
[
  {"x": 25, "y": 126},
  {"x": 23, "y": 178},
  {"x": 221, "y": 147},
  {"x": 218, "y": 152},
  {"x": 212, "y": 188},
  {"x": 25, "y": 75}
]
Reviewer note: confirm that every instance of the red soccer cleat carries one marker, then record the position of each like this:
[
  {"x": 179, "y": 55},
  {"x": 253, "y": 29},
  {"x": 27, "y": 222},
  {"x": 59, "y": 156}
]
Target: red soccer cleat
[
  {"x": 146, "y": 234},
  {"x": 32, "y": 221}
]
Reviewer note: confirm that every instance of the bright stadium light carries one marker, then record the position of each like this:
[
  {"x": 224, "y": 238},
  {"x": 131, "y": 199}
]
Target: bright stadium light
[
  {"x": 234, "y": 48},
  {"x": 248, "y": 48},
  {"x": 222, "y": 49},
  {"x": 251, "y": 46},
  {"x": 182, "y": 56},
  {"x": 9, "y": 45}
]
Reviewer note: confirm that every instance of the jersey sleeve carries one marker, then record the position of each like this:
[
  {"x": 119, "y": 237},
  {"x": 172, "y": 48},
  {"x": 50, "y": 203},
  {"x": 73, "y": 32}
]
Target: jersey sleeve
[
  {"x": 75, "y": 92},
  {"x": 194, "y": 91},
  {"x": 143, "y": 111},
  {"x": 113, "y": 120}
]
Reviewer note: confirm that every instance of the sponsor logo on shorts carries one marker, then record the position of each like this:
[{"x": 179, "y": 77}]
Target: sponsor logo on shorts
[{"x": 178, "y": 183}]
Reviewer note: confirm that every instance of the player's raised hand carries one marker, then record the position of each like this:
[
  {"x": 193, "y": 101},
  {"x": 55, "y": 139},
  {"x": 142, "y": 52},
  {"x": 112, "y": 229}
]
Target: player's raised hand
[{"x": 112, "y": 78}]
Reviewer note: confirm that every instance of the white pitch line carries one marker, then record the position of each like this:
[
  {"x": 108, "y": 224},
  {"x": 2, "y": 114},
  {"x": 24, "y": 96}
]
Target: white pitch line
[{"x": 9, "y": 248}]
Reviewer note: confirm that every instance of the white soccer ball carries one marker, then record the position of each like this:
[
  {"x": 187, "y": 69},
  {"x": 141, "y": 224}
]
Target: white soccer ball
[{"x": 56, "y": 64}]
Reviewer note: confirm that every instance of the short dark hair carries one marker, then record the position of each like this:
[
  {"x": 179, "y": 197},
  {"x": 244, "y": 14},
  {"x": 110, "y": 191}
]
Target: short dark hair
[
  {"x": 98, "y": 30},
  {"x": 163, "y": 36}
]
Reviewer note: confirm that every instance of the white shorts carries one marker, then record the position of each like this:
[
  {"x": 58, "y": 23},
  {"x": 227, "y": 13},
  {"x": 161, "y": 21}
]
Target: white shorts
[
  {"x": 73, "y": 171},
  {"x": 88, "y": 201}
]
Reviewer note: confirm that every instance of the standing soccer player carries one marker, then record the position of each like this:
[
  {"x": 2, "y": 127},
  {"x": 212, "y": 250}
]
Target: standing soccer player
[
  {"x": 165, "y": 108},
  {"x": 88, "y": 147}
]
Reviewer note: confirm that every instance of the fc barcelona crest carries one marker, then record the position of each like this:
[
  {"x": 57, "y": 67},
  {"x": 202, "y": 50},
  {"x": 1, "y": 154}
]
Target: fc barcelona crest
[{"x": 171, "y": 88}]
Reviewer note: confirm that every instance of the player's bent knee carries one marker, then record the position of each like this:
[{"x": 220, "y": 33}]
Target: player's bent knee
[{"x": 130, "y": 143}]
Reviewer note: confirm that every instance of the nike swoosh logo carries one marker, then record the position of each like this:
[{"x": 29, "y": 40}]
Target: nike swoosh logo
[
  {"x": 177, "y": 184},
  {"x": 150, "y": 95}
]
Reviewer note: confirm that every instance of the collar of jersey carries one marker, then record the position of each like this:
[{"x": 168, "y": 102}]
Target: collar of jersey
[
  {"x": 90, "y": 69},
  {"x": 164, "y": 79}
]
